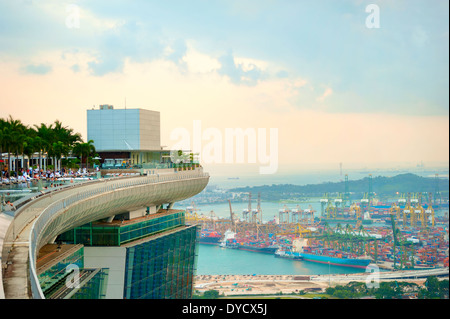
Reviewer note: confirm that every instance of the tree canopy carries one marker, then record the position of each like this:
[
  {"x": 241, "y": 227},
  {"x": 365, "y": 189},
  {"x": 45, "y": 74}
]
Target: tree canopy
[{"x": 55, "y": 140}]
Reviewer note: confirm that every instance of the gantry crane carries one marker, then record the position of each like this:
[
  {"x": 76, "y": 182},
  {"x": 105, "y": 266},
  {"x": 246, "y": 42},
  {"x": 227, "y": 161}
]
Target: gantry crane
[
  {"x": 296, "y": 215},
  {"x": 430, "y": 211},
  {"x": 355, "y": 209},
  {"x": 398, "y": 241},
  {"x": 247, "y": 212},
  {"x": 232, "y": 218},
  {"x": 282, "y": 213},
  {"x": 308, "y": 215},
  {"x": 257, "y": 213},
  {"x": 395, "y": 210},
  {"x": 408, "y": 211},
  {"x": 323, "y": 203}
]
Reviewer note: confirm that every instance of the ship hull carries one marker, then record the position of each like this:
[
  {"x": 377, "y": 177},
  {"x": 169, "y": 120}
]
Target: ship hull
[
  {"x": 288, "y": 255},
  {"x": 336, "y": 261},
  {"x": 338, "y": 220},
  {"x": 264, "y": 250},
  {"x": 209, "y": 240}
]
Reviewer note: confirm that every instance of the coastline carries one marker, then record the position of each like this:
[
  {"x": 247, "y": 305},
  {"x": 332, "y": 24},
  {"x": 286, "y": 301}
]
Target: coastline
[{"x": 233, "y": 285}]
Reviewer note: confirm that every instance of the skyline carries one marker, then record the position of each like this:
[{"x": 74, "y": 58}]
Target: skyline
[{"x": 336, "y": 90}]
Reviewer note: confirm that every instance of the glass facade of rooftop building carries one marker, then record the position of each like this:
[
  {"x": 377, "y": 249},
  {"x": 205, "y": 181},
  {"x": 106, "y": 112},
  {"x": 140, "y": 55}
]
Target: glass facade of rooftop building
[
  {"x": 160, "y": 253},
  {"x": 59, "y": 281},
  {"x": 102, "y": 234},
  {"x": 162, "y": 268},
  {"x": 49, "y": 278},
  {"x": 94, "y": 288}
]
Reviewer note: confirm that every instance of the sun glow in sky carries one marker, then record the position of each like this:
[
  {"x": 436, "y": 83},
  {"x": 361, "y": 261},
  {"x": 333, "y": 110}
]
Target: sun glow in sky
[{"x": 336, "y": 90}]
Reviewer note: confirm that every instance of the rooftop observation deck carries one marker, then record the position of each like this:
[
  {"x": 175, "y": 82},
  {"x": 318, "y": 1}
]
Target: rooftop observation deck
[{"x": 42, "y": 218}]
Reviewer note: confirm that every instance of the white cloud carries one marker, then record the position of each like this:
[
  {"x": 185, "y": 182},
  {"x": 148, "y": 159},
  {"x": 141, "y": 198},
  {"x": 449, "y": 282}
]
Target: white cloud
[
  {"x": 328, "y": 92},
  {"x": 198, "y": 62}
]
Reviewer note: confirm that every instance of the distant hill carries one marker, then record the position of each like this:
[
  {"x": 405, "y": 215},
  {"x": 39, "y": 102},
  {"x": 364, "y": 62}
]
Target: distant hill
[{"x": 382, "y": 186}]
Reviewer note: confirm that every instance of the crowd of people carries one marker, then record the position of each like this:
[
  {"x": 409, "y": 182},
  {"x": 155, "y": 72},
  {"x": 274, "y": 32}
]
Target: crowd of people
[{"x": 30, "y": 174}]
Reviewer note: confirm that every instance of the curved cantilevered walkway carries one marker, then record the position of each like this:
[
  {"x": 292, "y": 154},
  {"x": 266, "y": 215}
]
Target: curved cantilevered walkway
[{"x": 39, "y": 220}]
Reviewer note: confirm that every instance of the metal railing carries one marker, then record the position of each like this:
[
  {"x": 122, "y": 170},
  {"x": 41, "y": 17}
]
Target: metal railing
[{"x": 107, "y": 186}]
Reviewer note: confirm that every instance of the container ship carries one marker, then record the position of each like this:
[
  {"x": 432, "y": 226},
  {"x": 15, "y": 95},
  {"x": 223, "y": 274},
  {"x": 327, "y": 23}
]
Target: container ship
[
  {"x": 209, "y": 237},
  {"x": 230, "y": 241},
  {"x": 300, "y": 251},
  {"x": 258, "y": 247}
]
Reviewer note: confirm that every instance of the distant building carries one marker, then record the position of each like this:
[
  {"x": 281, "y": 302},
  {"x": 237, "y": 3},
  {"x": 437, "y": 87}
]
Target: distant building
[{"x": 126, "y": 137}]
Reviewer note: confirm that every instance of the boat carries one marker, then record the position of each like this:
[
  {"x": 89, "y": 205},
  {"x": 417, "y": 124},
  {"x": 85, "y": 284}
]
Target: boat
[
  {"x": 337, "y": 261},
  {"x": 301, "y": 250},
  {"x": 288, "y": 254},
  {"x": 229, "y": 240},
  {"x": 208, "y": 237},
  {"x": 346, "y": 220},
  {"x": 259, "y": 248}
]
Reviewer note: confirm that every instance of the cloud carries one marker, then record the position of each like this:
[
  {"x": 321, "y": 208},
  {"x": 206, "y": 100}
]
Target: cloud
[
  {"x": 240, "y": 73},
  {"x": 134, "y": 40},
  {"x": 177, "y": 51},
  {"x": 282, "y": 74},
  {"x": 328, "y": 92},
  {"x": 75, "y": 68},
  {"x": 106, "y": 64},
  {"x": 401, "y": 67},
  {"x": 39, "y": 69},
  {"x": 198, "y": 62}
]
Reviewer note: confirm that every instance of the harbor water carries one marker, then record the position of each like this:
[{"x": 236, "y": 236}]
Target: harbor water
[{"x": 215, "y": 260}]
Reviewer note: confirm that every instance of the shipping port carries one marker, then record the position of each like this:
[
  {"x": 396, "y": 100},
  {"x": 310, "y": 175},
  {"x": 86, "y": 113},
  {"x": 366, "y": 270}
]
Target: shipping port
[{"x": 403, "y": 234}]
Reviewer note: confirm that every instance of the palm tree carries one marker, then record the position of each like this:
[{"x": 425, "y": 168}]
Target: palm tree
[
  {"x": 30, "y": 146},
  {"x": 55, "y": 140},
  {"x": 86, "y": 149},
  {"x": 47, "y": 138},
  {"x": 15, "y": 137},
  {"x": 39, "y": 144},
  {"x": 65, "y": 140},
  {"x": 2, "y": 143}
]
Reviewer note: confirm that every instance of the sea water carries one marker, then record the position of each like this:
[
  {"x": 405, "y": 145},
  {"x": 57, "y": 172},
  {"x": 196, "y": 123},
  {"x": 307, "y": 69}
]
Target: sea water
[{"x": 215, "y": 260}]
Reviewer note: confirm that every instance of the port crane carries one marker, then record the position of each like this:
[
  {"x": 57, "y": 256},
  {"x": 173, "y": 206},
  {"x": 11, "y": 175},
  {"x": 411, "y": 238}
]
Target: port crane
[
  {"x": 323, "y": 203},
  {"x": 298, "y": 230},
  {"x": 232, "y": 217},
  {"x": 284, "y": 215},
  {"x": 308, "y": 214},
  {"x": 338, "y": 206},
  {"x": 408, "y": 211},
  {"x": 296, "y": 214},
  {"x": 247, "y": 212},
  {"x": 429, "y": 212},
  {"x": 191, "y": 213},
  {"x": 395, "y": 210},
  {"x": 212, "y": 219},
  {"x": 348, "y": 239},
  {"x": 399, "y": 241},
  {"x": 257, "y": 213},
  {"x": 330, "y": 210},
  {"x": 356, "y": 210}
]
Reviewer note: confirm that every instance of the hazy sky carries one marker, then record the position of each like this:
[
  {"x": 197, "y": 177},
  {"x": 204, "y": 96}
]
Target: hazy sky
[{"x": 336, "y": 90}]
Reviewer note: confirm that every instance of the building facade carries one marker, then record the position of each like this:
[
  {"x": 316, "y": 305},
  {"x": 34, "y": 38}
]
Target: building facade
[
  {"x": 125, "y": 136},
  {"x": 148, "y": 255}
]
